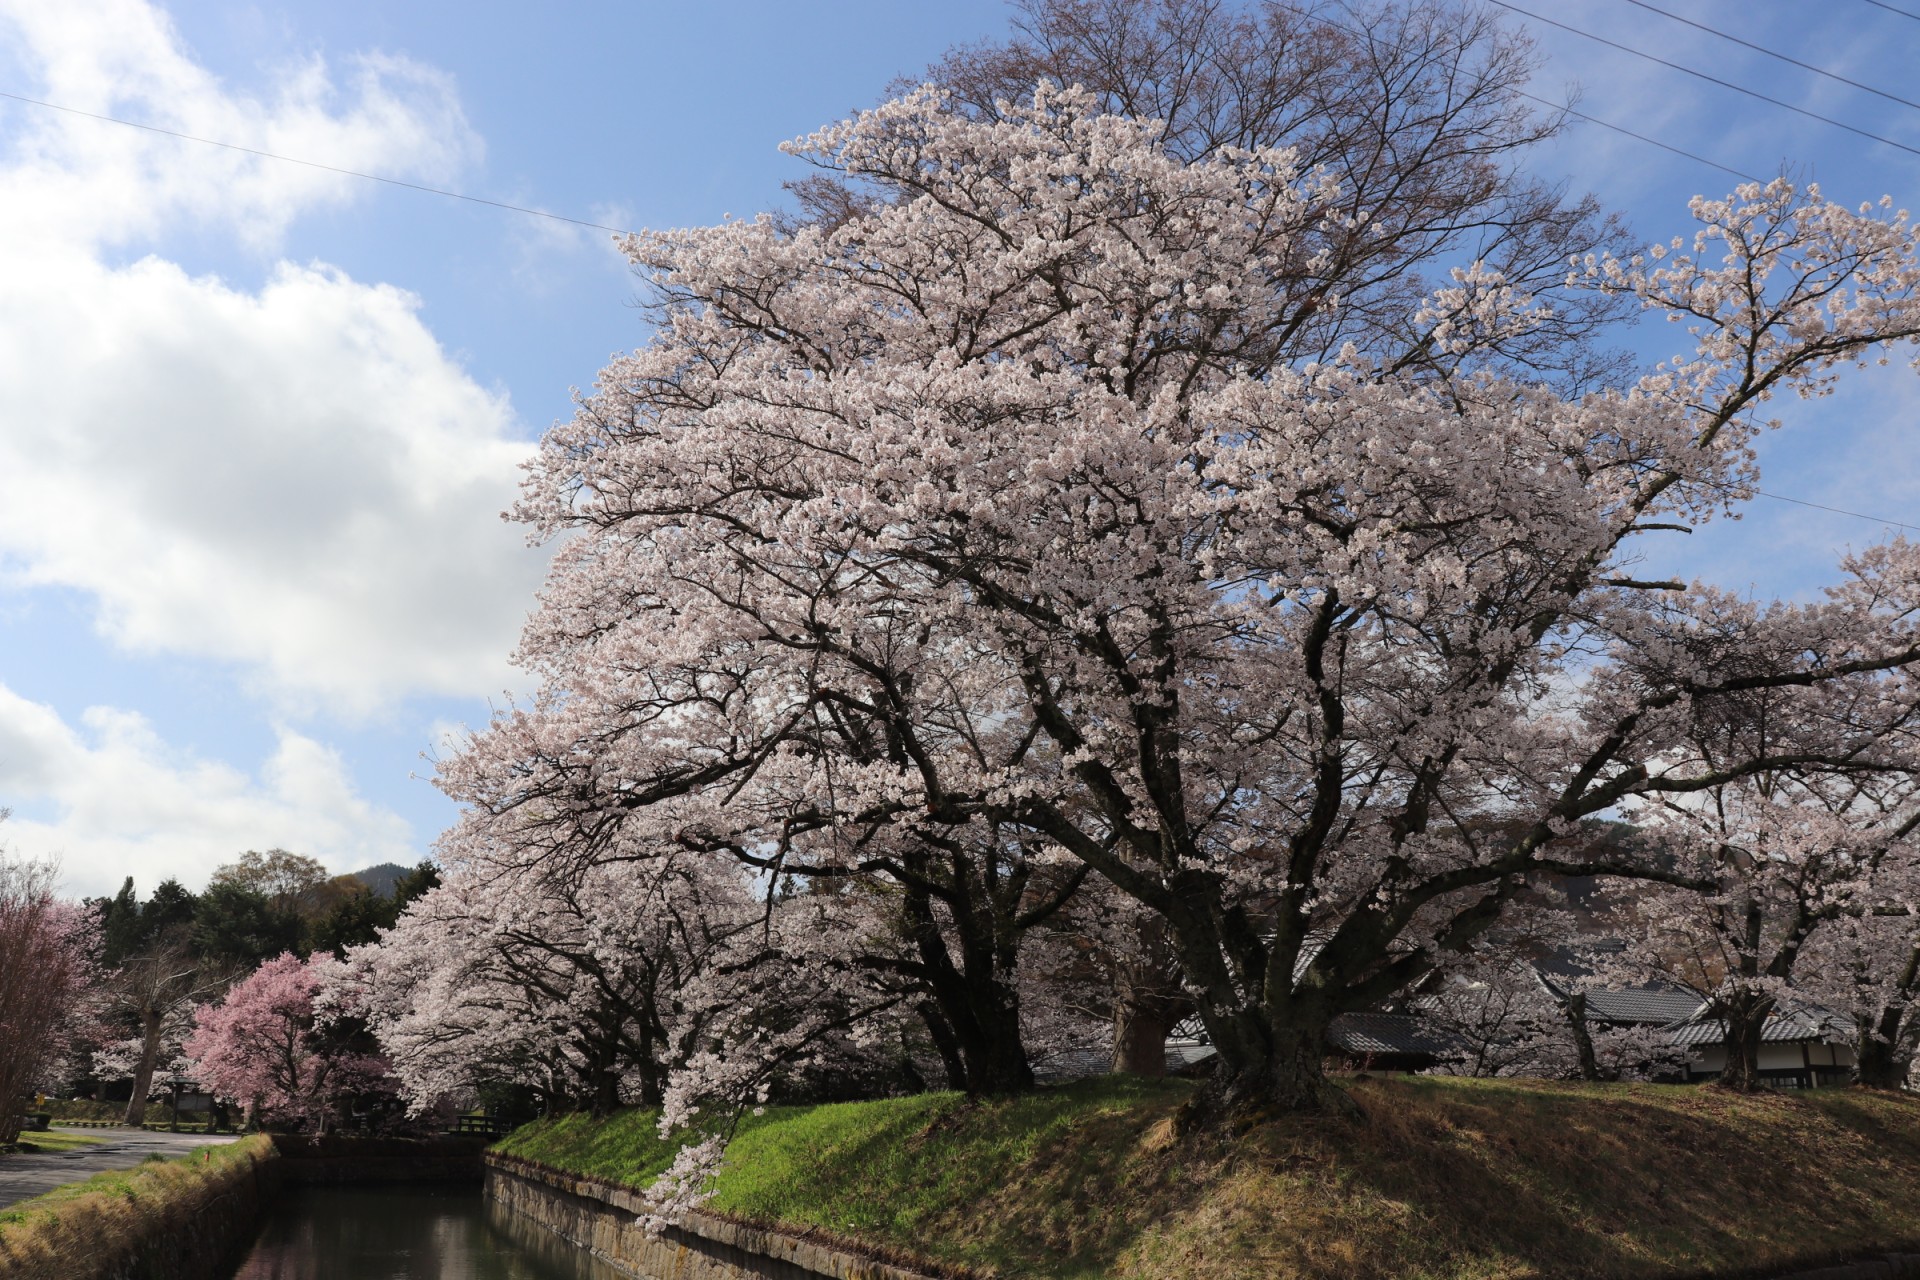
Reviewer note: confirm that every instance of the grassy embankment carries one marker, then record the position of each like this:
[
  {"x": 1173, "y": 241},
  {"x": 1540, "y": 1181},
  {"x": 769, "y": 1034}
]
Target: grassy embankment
[
  {"x": 1438, "y": 1178},
  {"x": 112, "y": 1214}
]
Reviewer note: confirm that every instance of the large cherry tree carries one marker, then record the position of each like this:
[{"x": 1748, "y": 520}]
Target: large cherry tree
[
  {"x": 1865, "y": 966},
  {"x": 1006, "y": 499}
]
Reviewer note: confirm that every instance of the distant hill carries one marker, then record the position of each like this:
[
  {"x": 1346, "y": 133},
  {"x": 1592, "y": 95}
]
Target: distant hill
[{"x": 383, "y": 878}]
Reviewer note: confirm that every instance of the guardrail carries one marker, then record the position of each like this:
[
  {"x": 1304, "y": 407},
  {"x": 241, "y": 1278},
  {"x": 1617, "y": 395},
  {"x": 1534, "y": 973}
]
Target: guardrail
[{"x": 151, "y": 1126}]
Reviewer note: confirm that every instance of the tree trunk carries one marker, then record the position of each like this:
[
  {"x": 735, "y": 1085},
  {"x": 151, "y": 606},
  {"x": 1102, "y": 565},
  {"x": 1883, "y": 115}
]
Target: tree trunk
[
  {"x": 991, "y": 1050},
  {"x": 1879, "y": 1062},
  {"x": 1148, "y": 1001},
  {"x": 1582, "y": 1036},
  {"x": 1272, "y": 1054},
  {"x": 603, "y": 1076},
  {"x": 1140, "y": 1029},
  {"x": 1271, "y": 1060},
  {"x": 977, "y": 1027},
  {"x": 1745, "y": 1014},
  {"x": 1291, "y": 1077},
  {"x": 653, "y": 1084},
  {"x": 152, "y": 1025},
  {"x": 945, "y": 1043}
]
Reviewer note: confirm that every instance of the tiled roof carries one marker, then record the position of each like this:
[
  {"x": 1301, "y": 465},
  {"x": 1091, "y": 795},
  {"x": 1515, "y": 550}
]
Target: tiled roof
[
  {"x": 1387, "y": 1033},
  {"x": 1655, "y": 1007},
  {"x": 1789, "y": 1026}
]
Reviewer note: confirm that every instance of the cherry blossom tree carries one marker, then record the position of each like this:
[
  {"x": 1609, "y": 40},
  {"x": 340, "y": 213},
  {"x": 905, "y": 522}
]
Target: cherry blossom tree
[
  {"x": 1109, "y": 959},
  {"x": 265, "y": 1046},
  {"x": 1507, "y": 1022},
  {"x": 1418, "y": 110},
  {"x": 46, "y": 963},
  {"x": 1788, "y": 854},
  {"x": 568, "y": 979},
  {"x": 1866, "y": 966},
  {"x": 792, "y": 1009},
  {"x": 951, "y": 911},
  {"x": 449, "y": 1020},
  {"x": 1007, "y": 499}
]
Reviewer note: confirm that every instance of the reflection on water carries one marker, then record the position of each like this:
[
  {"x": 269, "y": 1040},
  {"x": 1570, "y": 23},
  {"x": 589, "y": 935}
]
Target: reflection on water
[{"x": 408, "y": 1233}]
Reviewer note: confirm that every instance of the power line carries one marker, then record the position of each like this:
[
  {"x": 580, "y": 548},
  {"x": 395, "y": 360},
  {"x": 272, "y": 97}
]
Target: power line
[
  {"x": 1725, "y": 84},
  {"x": 1552, "y": 105},
  {"x": 1839, "y": 511},
  {"x": 314, "y": 164},
  {"x": 1759, "y": 48},
  {"x": 1608, "y": 124},
  {"x": 1698, "y": 159},
  {"x": 1890, "y": 9},
  {"x": 1742, "y": 491}
]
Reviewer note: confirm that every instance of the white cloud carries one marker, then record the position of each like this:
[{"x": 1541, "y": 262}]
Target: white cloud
[
  {"x": 71, "y": 179},
  {"x": 111, "y": 799},
  {"x": 298, "y": 479}
]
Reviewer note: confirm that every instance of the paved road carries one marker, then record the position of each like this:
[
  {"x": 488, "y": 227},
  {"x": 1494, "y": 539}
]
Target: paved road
[{"x": 22, "y": 1176}]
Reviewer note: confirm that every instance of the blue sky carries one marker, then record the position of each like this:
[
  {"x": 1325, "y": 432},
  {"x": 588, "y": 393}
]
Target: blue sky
[{"x": 257, "y": 422}]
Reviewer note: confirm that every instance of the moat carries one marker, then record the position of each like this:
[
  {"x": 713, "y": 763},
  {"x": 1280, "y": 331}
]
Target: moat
[{"x": 434, "y": 1232}]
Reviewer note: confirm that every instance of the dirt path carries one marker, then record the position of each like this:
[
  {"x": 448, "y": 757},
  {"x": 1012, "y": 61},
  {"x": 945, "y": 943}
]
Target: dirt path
[{"x": 24, "y": 1176}]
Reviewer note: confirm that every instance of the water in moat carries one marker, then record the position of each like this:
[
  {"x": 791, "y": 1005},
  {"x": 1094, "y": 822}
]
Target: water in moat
[{"x": 407, "y": 1233}]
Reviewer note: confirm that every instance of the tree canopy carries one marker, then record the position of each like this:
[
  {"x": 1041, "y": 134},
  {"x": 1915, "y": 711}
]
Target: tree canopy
[{"x": 1011, "y": 500}]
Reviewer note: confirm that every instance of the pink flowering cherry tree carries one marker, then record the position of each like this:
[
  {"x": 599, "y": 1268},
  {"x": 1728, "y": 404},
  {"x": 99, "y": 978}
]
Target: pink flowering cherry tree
[{"x": 266, "y": 1046}]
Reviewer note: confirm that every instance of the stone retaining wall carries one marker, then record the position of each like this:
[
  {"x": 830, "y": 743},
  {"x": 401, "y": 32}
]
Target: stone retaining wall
[{"x": 604, "y": 1220}]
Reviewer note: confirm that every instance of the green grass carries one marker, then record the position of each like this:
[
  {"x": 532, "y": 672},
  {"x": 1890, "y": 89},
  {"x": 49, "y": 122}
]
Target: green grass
[
  {"x": 1436, "y": 1179},
  {"x": 623, "y": 1148},
  {"x": 37, "y": 1142}
]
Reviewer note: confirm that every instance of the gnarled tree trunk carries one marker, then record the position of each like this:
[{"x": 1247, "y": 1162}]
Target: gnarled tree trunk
[
  {"x": 1141, "y": 1025},
  {"x": 1271, "y": 1060},
  {"x": 1745, "y": 1014},
  {"x": 977, "y": 1029}
]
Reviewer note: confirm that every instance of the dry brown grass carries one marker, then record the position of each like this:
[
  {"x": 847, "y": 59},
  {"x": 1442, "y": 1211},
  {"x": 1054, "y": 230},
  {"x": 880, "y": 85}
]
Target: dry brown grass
[
  {"x": 1511, "y": 1180},
  {"x": 72, "y": 1230}
]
